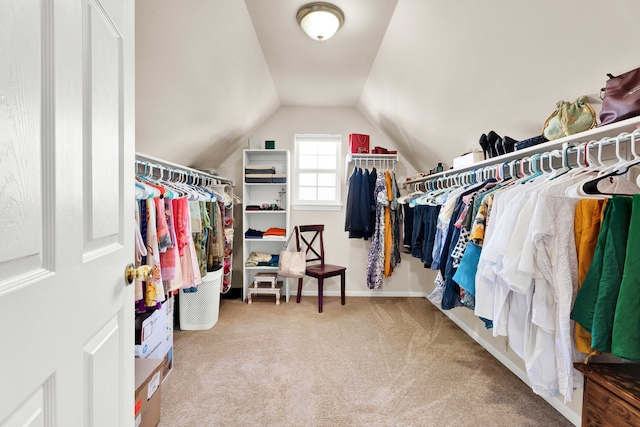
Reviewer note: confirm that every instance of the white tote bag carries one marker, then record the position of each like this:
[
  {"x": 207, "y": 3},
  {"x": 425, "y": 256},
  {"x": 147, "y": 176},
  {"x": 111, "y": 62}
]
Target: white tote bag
[{"x": 292, "y": 264}]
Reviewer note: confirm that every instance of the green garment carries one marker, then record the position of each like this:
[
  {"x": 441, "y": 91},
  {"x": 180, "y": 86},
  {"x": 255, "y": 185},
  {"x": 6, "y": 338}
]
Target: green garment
[
  {"x": 626, "y": 324},
  {"x": 595, "y": 303}
]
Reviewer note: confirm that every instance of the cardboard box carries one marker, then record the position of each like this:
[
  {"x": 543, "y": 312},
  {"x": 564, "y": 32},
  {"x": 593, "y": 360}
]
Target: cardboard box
[
  {"x": 158, "y": 344},
  {"x": 467, "y": 159},
  {"x": 167, "y": 364},
  {"x": 151, "y": 331},
  {"x": 154, "y": 331},
  {"x": 147, "y": 396}
]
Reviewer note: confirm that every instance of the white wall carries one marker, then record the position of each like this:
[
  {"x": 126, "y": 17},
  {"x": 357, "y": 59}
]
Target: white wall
[{"x": 408, "y": 278}]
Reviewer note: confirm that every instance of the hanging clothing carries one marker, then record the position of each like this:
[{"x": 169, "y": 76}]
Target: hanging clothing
[
  {"x": 168, "y": 257},
  {"x": 625, "y": 339},
  {"x": 359, "y": 202},
  {"x": 216, "y": 240},
  {"x": 588, "y": 218},
  {"x": 595, "y": 304},
  {"x": 191, "y": 277},
  {"x": 388, "y": 227},
  {"x": 164, "y": 240},
  {"x": 140, "y": 252},
  {"x": 375, "y": 261},
  {"x": 396, "y": 221},
  {"x": 154, "y": 289}
]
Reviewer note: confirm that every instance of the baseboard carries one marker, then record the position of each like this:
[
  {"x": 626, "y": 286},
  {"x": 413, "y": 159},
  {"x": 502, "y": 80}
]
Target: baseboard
[{"x": 370, "y": 293}]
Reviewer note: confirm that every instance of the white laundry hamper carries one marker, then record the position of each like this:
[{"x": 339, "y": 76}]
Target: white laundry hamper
[{"x": 199, "y": 310}]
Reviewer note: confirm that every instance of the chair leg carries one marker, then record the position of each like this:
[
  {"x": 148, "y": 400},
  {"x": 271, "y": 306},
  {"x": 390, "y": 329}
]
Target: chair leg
[
  {"x": 342, "y": 283},
  {"x": 320, "y": 292},
  {"x": 299, "y": 290}
]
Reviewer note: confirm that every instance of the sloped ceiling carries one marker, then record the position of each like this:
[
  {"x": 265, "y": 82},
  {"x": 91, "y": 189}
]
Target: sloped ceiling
[
  {"x": 447, "y": 72},
  {"x": 432, "y": 75},
  {"x": 202, "y": 82}
]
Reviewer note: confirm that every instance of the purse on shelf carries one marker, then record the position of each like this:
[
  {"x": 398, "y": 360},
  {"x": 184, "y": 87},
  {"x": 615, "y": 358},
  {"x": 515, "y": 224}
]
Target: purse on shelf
[
  {"x": 292, "y": 264},
  {"x": 621, "y": 98},
  {"x": 569, "y": 118}
]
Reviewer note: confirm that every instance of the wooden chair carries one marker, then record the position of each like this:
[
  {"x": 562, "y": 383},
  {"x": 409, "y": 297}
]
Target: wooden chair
[{"x": 312, "y": 241}]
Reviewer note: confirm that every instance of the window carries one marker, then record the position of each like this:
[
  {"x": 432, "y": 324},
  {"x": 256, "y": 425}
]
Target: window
[{"x": 317, "y": 171}]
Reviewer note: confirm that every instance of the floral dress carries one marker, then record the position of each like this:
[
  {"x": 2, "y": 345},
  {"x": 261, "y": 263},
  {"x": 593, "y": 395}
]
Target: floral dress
[{"x": 375, "y": 261}]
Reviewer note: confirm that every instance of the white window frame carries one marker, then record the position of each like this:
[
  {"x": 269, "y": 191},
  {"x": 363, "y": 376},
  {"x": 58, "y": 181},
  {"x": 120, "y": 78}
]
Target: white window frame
[{"x": 323, "y": 205}]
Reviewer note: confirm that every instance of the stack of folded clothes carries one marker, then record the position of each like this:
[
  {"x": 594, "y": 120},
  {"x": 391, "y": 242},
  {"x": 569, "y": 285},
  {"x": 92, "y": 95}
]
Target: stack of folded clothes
[
  {"x": 263, "y": 174},
  {"x": 253, "y": 234},
  {"x": 259, "y": 174},
  {"x": 262, "y": 259},
  {"x": 275, "y": 232}
]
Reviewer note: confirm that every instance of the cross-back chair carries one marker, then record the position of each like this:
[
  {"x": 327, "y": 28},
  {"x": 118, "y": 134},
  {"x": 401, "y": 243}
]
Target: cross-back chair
[{"x": 309, "y": 239}]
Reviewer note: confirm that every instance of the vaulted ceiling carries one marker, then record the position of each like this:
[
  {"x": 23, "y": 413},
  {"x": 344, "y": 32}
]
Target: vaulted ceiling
[{"x": 432, "y": 75}]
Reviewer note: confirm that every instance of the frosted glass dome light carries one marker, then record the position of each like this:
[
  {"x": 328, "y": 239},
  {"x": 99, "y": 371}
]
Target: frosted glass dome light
[{"x": 320, "y": 21}]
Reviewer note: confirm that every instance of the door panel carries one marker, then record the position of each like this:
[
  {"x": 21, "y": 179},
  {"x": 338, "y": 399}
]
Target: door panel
[
  {"x": 102, "y": 384},
  {"x": 66, "y": 169},
  {"x": 22, "y": 25},
  {"x": 103, "y": 124},
  {"x": 35, "y": 411}
]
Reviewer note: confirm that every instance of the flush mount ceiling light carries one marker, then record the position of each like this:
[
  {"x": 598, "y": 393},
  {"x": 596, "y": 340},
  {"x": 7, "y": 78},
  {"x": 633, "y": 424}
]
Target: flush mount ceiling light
[{"x": 320, "y": 20}]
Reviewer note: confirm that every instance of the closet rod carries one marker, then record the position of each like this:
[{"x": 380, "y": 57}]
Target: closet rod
[
  {"x": 601, "y": 134},
  {"x": 150, "y": 159},
  {"x": 377, "y": 159}
]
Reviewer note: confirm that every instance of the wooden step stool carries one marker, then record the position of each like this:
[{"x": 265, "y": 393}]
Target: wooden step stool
[{"x": 265, "y": 283}]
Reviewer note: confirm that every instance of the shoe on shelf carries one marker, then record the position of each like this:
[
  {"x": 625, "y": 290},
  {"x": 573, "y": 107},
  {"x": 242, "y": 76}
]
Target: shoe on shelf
[
  {"x": 484, "y": 144},
  {"x": 494, "y": 143},
  {"x": 508, "y": 144}
]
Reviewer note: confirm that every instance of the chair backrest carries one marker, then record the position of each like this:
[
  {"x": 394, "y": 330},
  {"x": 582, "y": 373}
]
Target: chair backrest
[{"x": 309, "y": 239}]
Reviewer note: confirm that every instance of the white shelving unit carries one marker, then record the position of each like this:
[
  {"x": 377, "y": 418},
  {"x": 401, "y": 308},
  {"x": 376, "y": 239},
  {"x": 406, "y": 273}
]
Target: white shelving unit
[{"x": 259, "y": 194}]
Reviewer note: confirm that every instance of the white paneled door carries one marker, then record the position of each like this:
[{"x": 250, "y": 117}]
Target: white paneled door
[{"x": 66, "y": 212}]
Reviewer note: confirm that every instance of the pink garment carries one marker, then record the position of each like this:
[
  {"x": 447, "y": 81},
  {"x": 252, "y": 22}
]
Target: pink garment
[
  {"x": 154, "y": 291},
  {"x": 140, "y": 251},
  {"x": 190, "y": 274},
  {"x": 170, "y": 260},
  {"x": 168, "y": 257},
  {"x": 162, "y": 229},
  {"x": 180, "y": 223}
]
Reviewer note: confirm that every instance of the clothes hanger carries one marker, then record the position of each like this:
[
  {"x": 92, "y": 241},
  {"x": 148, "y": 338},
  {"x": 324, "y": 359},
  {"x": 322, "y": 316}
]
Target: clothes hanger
[
  {"x": 414, "y": 193},
  {"x": 213, "y": 186},
  {"x": 535, "y": 173},
  {"x": 566, "y": 167},
  {"x": 169, "y": 191},
  {"x": 174, "y": 183},
  {"x": 621, "y": 167},
  {"x": 151, "y": 180},
  {"x": 141, "y": 190},
  {"x": 590, "y": 168},
  {"x": 151, "y": 190},
  {"x": 206, "y": 195}
]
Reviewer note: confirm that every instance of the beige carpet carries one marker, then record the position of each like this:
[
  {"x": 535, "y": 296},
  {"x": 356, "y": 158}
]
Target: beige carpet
[{"x": 372, "y": 362}]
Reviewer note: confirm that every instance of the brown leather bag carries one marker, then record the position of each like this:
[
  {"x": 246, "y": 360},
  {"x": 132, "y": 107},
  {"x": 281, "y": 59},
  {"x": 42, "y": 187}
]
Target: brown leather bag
[{"x": 621, "y": 97}]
